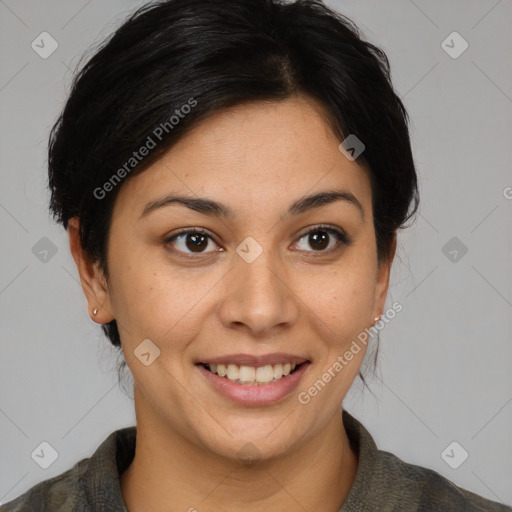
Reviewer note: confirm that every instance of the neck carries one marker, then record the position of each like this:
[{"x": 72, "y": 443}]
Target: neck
[{"x": 316, "y": 476}]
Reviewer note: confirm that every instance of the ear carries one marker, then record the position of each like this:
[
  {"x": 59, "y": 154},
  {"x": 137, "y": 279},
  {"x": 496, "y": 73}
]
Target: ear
[
  {"x": 92, "y": 278},
  {"x": 381, "y": 288}
]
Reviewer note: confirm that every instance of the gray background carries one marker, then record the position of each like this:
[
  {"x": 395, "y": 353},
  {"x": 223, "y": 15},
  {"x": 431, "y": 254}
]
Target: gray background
[{"x": 444, "y": 365}]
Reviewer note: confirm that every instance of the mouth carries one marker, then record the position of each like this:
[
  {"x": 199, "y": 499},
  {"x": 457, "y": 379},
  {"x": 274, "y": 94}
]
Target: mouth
[
  {"x": 256, "y": 382},
  {"x": 253, "y": 375}
]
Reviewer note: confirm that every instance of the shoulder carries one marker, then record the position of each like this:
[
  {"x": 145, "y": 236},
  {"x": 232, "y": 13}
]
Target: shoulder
[
  {"x": 57, "y": 494},
  {"x": 386, "y": 483},
  {"x": 93, "y": 483},
  {"x": 422, "y": 489}
]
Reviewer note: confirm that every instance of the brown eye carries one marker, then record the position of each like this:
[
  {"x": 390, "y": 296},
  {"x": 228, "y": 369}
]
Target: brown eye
[
  {"x": 190, "y": 241},
  {"x": 324, "y": 239}
]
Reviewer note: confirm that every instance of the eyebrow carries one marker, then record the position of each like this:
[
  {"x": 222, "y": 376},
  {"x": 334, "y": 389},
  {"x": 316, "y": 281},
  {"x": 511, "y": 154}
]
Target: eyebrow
[{"x": 213, "y": 208}]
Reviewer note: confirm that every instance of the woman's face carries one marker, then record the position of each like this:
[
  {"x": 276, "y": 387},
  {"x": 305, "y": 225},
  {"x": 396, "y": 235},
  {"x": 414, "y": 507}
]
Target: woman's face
[{"x": 255, "y": 284}]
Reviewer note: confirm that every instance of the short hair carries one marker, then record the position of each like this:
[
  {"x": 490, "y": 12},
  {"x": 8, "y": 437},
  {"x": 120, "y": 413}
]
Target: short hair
[{"x": 196, "y": 57}]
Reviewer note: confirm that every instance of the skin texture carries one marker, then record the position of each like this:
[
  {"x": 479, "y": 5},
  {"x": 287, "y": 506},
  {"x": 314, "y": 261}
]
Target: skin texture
[{"x": 257, "y": 159}]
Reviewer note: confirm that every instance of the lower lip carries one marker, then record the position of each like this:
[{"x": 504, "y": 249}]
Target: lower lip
[{"x": 261, "y": 394}]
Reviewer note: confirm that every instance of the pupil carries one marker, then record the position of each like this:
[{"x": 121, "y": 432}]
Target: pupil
[
  {"x": 319, "y": 239},
  {"x": 196, "y": 239}
]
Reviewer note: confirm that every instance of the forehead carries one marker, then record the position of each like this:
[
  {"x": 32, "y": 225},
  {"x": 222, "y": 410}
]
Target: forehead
[{"x": 255, "y": 155}]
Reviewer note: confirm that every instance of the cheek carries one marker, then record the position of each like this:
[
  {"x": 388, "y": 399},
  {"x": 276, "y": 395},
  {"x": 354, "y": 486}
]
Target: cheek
[
  {"x": 344, "y": 294},
  {"x": 156, "y": 301}
]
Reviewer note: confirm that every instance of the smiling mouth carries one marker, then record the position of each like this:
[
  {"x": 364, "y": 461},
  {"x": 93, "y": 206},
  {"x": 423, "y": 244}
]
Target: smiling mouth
[{"x": 251, "y": 375}]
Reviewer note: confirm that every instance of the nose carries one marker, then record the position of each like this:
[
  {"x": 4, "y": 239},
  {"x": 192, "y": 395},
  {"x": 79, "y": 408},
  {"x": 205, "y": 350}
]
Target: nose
[{"x": 258, "y": 297}]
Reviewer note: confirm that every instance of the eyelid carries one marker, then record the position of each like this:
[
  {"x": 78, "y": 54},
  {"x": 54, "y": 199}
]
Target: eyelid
[{"x": 319, "y": 227}]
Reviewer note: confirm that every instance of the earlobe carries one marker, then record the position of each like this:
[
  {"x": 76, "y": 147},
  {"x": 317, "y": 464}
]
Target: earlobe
[{"x": 92, "y": 278}]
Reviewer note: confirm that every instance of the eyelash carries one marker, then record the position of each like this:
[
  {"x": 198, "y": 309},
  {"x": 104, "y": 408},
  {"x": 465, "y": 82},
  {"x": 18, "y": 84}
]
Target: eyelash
[{"x": 341, "y": 236}]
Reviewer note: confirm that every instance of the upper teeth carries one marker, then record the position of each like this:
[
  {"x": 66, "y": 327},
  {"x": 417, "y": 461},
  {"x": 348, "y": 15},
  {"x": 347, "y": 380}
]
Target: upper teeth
[{"x": 251, "y": 374}]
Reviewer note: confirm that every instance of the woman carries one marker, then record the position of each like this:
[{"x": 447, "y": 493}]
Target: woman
[{"x": 232, "y": 176}]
